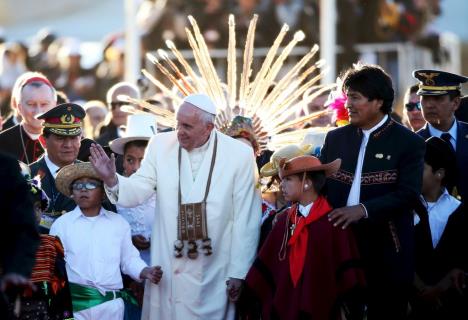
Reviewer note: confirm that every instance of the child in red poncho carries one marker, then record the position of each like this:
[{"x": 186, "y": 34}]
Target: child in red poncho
[{"x": 306, "y": 268}]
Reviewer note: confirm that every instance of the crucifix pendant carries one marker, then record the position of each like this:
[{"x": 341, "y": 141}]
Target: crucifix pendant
[{"x": 293, "y": 226}]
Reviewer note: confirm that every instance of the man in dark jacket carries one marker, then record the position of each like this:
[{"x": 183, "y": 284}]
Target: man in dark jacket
[
  {"x": 379, "y": 180},
  {"x": 62, "y": 129},
  {"x": 440, "y": 98}
]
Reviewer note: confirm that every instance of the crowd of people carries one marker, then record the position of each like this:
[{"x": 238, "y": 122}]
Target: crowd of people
[
  {"x": 372, "y": 224},
  {"x": 290, "y": 200},
  {"x": 59, "y": 56}
]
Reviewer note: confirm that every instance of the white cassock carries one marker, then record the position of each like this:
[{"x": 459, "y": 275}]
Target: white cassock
[{"x": 196, "y": 289}]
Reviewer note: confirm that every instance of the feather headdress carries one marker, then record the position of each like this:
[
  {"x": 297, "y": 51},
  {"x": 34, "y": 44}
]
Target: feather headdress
[{"x": 269, "y": 97}]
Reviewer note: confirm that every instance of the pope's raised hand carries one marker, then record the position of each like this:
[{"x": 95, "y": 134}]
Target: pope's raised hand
[{"x": 104, "y": 166}]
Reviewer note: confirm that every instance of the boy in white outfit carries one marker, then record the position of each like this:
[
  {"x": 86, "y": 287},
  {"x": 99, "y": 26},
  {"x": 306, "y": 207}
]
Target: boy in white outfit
[{"x": 97, "y": 247}]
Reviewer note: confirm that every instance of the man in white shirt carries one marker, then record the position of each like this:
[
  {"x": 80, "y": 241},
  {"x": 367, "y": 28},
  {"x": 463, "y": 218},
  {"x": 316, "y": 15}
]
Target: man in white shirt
[
  {"x": 193, "y": 168},
  {"x": 97, "y": 247},
  {"x": 378, "y": 181}
]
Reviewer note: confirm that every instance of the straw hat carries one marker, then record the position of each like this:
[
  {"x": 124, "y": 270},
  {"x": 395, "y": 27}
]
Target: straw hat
[
  {"x": 139, "y": 127},
  {"x": 72, "y": 172},
  {"x": 306, "y": 164},
  {"x": 287, "y": 152}
]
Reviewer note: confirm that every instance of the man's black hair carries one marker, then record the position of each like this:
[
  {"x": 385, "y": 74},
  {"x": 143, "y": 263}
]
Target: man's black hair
[{"x": 372, "y": 82}]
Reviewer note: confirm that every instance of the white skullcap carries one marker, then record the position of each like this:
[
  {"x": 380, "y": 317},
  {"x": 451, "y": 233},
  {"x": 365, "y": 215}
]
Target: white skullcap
[{"x": 202, "y": 102}]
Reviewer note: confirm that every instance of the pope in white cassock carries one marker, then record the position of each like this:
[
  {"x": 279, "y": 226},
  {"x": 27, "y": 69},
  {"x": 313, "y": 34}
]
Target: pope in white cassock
[{"x": 194, "y": 288}]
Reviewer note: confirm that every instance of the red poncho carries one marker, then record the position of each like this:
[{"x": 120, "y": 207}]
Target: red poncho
[{"x": 327, "y": 269}]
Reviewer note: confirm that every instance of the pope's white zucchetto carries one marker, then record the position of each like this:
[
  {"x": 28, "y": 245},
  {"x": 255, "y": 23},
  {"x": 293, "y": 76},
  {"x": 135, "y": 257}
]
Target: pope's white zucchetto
[{"x": 202, "y": 102}]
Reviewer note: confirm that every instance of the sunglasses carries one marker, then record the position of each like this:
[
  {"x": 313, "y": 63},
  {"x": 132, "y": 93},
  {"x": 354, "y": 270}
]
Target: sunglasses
[
  {"x": 117, "y": 104},
  {"x": 410, "y": 106},
  {"x": 77, "y": 186}
]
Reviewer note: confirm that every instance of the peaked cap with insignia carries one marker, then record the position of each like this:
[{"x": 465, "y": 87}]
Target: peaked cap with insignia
[
  {"x": 436, "y": 83},
  {"x": 66, "y": 119}
]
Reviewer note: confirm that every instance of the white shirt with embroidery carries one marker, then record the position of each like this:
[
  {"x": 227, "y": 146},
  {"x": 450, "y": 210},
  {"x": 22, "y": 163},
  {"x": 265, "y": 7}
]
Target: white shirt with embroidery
[{"x": 141, "y": 220}]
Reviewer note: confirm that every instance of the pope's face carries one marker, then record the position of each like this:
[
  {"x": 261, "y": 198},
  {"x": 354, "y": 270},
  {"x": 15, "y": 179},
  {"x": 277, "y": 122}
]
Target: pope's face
[{"x": 192, "y": 130}]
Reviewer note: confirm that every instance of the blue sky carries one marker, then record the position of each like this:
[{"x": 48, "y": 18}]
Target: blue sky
[{"x": 454, "y": 18}]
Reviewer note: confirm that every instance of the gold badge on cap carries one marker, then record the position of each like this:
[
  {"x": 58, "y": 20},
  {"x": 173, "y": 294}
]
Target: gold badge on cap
[
  {"x": 67, "y": 118},
  {"x": 429, "y": 81},
  {"x": 379, "y": 156}
]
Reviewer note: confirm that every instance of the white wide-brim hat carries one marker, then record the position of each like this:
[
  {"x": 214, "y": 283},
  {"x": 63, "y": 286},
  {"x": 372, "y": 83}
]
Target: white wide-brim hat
[{"x": 139, "y": 127}]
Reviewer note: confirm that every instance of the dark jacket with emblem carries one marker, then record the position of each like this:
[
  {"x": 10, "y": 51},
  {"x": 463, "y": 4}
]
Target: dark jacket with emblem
[
  {"x": 59, "y": 203},
  {"x": 462, "y": 156},
  {"x": 390, "y": 184},
  {"x": 11, "y": 143}
]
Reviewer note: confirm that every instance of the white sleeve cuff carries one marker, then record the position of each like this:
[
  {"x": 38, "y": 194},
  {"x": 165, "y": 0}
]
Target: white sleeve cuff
[
  {"x": 112, "y": 192},
  {"x": 366, "y": 215}
]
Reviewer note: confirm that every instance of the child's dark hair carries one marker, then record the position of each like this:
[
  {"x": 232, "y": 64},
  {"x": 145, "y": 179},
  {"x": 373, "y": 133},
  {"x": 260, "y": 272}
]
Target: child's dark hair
[
  {"x": 318, "y": 179},
  {"x": 448, "y": 163},
  {"x": 135, "y": 143}
]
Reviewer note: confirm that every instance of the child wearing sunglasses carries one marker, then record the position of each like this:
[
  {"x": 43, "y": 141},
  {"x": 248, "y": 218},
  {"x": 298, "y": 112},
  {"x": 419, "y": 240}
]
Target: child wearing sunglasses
[{"x": 98, "y": 247}]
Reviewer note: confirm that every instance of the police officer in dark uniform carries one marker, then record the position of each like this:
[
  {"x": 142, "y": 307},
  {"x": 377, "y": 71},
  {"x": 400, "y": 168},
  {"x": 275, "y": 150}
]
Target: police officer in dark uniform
[
  {"x": 62, "y": 129},
  {"x": 440, "y": 98}
]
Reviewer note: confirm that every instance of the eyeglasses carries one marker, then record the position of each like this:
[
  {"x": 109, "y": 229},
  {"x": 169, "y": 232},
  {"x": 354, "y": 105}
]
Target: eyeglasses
[
  {"x": 117, "y": 104},
  {"x": 410, "y": 106},
  {"x": 85, "y": 186}
]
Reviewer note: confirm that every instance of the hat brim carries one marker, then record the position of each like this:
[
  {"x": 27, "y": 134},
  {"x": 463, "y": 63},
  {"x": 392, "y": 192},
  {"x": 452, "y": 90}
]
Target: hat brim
[
  {"x": 269, "y": 170},
  {"x": 71, "y": 132},
  {"x": 118, "y": 145},
  {"x": 72, "y": 172},
  {"x": 422, "y": 92},
  {"x": 329, "y": 168}
]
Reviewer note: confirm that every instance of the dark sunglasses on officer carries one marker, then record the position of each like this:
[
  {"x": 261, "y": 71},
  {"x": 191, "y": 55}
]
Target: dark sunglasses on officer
[
  {"x": 410, "y": 106},
  {"x": 77, "y": 186}
]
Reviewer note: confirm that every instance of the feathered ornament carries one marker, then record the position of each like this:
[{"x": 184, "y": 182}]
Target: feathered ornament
[
  {"x": 269, "y": 97},
  {"x": 336, "y": 102}
]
